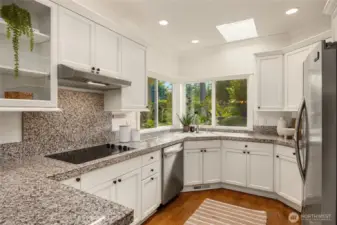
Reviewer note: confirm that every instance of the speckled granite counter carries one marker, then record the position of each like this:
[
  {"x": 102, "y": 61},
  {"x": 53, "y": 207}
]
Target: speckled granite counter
[{"x": 31, "y": 194}]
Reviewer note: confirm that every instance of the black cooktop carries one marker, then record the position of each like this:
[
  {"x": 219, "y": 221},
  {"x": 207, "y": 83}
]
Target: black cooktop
[{"x": 88, "y": 154}]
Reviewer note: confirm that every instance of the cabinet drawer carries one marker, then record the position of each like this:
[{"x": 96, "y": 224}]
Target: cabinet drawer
[
  {"x": 243, "y": 145},
  {"x": 95, "y": 177},
  {"x": 150, "y": 169},
  {"x": 285, "y": 151},
  {"x": 150, "y": 158},
  {"x": 201, "y": 144}
]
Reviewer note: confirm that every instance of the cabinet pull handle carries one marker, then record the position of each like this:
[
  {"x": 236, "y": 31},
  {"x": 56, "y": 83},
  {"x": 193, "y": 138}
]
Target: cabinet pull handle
[
  {"x": 277, "y": 156},
  {"x": 205, "y": 150},
  {"x": 98, "y": 69},
  {"x": 151, "y": 157},
  {"x": 78, "y": 179},
  {"x": 201, "y": 150},
  {"x": 248, "y": 152},
  {"x": 115, "y": 182},
  {"x": 246, "y": 146},
  {"x": 152, "y": 170},
  {"x": 244, "y": 152},
  {"x": 93, "y": 68},
  {"x": 119, "y": 180},
  {"x": 258, "y": 107},
  {"x": 294, "y": 153},
  {"x": 152, "y": 178}
]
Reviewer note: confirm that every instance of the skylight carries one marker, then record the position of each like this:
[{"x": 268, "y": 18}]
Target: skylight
[{"x": 240, "y": 30}]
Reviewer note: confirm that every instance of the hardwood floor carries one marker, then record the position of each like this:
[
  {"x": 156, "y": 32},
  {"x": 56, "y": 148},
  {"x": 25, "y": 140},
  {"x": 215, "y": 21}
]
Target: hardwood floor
[{"x": 180, "y": 209}]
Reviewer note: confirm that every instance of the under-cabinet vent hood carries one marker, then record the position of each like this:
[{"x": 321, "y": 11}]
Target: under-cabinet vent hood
[{"x": 78, "y": 78}]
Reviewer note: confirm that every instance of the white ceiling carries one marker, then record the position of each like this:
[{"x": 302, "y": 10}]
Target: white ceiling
[{"x": 196, "y": 19}]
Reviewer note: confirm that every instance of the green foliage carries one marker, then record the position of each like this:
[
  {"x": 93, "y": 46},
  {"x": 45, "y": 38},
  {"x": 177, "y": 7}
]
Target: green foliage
[
  {"x": 186, "y": 119},
  {"x": 18, "y": 23}
]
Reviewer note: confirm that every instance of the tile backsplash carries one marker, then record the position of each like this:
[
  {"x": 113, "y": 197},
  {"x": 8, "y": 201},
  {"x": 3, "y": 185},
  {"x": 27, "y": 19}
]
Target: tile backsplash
[{"x": 81, "y": 123}]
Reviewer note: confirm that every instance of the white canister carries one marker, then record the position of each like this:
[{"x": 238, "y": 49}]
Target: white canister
[
  {"x": 124, "y": 133},
  {"x": 135, "y": 135},
  {"x": 280, "y": 125}
]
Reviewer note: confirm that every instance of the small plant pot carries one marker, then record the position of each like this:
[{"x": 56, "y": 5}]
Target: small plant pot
[{"x": 186, "y": 129}]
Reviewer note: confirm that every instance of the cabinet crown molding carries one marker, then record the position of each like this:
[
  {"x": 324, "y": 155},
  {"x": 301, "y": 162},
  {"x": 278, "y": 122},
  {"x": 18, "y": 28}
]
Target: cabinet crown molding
[{"x": 330, "y": 7}]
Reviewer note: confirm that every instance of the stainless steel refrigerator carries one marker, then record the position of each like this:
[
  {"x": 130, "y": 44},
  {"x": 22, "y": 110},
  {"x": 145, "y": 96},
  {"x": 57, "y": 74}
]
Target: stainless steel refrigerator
[{"x": 316, "y": 136}]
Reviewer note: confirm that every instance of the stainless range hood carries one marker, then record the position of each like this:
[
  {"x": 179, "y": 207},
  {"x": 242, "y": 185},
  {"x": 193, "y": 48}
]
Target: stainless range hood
[{"x": 78, "y": 78}]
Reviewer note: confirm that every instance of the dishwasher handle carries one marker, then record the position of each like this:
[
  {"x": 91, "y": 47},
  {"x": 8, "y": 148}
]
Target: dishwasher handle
[{"x": 172, "y": 152}]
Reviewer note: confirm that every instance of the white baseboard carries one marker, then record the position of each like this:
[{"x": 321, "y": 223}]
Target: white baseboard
[{"x": 267, "y": 194}]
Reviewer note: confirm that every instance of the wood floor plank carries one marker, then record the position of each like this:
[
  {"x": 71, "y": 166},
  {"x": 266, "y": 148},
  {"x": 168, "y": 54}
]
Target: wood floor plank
[{"x": 181, "y": 208}]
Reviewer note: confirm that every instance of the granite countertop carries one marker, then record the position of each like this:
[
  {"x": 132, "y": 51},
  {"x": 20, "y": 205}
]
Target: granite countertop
[{"x": 32, "y": 194}]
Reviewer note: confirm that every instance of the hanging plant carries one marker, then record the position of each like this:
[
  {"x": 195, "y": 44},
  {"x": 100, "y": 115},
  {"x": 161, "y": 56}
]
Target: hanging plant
[{"x": 18, "y": 23}]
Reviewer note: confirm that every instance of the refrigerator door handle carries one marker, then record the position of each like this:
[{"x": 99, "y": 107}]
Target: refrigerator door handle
[{"x": 297, "y": 141}]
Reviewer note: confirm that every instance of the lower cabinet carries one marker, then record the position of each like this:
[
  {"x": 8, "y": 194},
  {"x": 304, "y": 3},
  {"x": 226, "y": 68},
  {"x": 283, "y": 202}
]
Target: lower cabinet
[
  {"x": 250, "y": 165},
  {"x": 106, "y": 190},
  {"x": 151, "y": 194},
  {"x": 128, "y": 192},
  {"x": 202, "y": 166},
  {"x": 288, "y": 181}
]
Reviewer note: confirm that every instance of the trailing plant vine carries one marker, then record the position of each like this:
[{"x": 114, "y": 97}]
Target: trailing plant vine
[{"x": 18, "y": 23}]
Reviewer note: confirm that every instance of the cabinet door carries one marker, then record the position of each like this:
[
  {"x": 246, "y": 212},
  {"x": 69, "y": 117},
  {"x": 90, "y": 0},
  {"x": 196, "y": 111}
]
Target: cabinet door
[
  {"x": 128, "y": 192},
  {"x": 212, "y": 166},
  {"x": 72, "y": 182},
  {"x": 270, "y": 82},
  {"x": 75, "y": 40},
  {"x": 260, "y": 170},
  {"x": 134, "y": 69},
  {"x": 151, "y": 190},
  {"x": 107, "y": 51},
  {"x": 192, "y": 167},
  {"x": 105, "y": 191},
  {"x": 234, "y": 167},
  {"x": 288, "y": 182},
  {"x": 293, "y": 66}
]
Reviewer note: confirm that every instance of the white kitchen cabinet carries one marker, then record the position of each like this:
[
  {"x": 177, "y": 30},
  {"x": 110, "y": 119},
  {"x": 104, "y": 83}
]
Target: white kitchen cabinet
[
  {"x": 128, "y": 192},
  {"x": 107, "y": 46},
  {"x": 90, "y": 46},
  {"x": 151, "y": 192},
  {"x": 260, "y": 170},
  {"x": 37, "y": 75},
  {"x": 75, "y": 41},
  {"x": 193, "y": 167},
  {"x": 288, "y": 181},
  {"x": 293, "y": 77},
  {"x": 234, "y": 164},
  {"x": 133, "y": 98},
  {"x": 211, "y": 166},
  {"x": 106, "y": 191},
  {"x": 73, "y": 182},
  {"x": 269, "y": 71}
]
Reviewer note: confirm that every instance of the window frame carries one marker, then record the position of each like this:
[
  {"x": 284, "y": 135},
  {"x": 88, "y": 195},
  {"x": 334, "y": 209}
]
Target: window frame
[
  {"x": 156, "y": 116},
  {"x": 250, "y": 94}
]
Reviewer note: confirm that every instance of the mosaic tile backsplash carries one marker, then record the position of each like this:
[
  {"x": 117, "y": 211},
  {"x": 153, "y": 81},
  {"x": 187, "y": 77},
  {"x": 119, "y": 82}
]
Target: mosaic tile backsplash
[{"x": 81, "y": 123}]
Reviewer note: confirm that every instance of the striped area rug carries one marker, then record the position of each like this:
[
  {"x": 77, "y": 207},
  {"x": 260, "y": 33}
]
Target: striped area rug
[{"x": 219, "y": 213}]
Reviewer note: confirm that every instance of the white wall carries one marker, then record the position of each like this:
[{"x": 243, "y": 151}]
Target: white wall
[{"x": 228, "y": 59}]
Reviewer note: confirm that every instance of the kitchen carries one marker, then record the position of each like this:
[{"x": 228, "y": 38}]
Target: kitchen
[{"x": 92, "y": 118}]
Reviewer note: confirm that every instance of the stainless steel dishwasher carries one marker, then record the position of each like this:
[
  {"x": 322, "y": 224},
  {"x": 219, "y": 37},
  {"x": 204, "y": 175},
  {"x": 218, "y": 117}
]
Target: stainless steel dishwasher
[{"x": 173, "y": 172}]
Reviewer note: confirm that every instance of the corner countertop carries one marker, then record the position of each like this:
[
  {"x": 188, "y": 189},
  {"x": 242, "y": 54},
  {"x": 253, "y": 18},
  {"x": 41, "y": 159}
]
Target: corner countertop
[{"x": 32, "y": 194}]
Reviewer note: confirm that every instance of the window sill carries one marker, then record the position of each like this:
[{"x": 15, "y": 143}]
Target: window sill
[{"x": 157, "y": 129}]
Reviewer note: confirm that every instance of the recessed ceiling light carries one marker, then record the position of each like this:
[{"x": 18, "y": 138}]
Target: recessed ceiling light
[
  {"x": 291, "y": 11},
  {"x": 163, "y": 22},
  {"x": 239, "y": 30},
  {"x": 195, "y": 41}
]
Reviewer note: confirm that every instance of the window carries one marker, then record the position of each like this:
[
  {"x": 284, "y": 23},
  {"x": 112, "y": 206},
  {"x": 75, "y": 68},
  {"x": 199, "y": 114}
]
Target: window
[
  {"x": 218, "y": 103},
  {"x": 231, "y": 103},
  {"x": 159, "y": 105},
  {"x": 198, "y": 99}
]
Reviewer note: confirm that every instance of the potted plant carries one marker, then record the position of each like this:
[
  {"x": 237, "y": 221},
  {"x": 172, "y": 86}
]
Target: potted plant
[
  {"x": 186, "y": 120},
  {"x": 18, "y": 23}
]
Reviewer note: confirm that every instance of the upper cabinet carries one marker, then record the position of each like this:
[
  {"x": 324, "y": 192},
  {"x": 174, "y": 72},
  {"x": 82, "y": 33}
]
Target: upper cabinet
[
  {"x": 293, "y": 77},
  {"x": 90, "y": 46},
  {"x": 35, "y": 87},
  {"x": 269, "y": 71},
  {"x": 133, "y": 69},
  {"x": 279, "y": 76}
]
